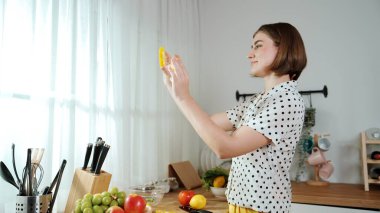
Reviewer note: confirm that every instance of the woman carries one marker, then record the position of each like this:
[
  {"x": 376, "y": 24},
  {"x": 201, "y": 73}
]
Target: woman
[{"x": 266, "y": 127}]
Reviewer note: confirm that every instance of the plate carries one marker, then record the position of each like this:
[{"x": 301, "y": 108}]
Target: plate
[
  {"x": 212, "y": 160},
  {"x": 215, "y": 160},
  {"x": 203, "y": 160},
  {"x": 226, "y": 164},
  {"x": 373, "y": 134},
  {"x": 208, "y": 160}
]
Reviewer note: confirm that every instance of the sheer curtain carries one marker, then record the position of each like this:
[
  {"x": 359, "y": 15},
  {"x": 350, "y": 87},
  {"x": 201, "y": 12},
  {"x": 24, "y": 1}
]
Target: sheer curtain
[{"x": 71, "y": 71}]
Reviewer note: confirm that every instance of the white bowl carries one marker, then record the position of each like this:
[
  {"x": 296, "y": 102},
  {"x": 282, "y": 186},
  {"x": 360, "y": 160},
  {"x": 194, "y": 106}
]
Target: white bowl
[{"x": 218, "y": 192}]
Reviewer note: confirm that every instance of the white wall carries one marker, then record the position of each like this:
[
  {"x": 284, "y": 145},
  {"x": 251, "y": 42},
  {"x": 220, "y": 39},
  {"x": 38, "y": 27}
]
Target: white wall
[{"x": 342, "y": 44}]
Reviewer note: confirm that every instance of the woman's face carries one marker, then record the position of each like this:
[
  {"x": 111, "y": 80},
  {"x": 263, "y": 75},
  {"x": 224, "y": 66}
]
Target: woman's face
[{"x": 263, "y": 52}]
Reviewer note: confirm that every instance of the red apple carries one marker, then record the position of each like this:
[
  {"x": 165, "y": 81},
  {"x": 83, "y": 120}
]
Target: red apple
[
  {"x": 115, "y": 209},
  {"x": 185, "y": 196},
  {"x": 134, "y": 204}
]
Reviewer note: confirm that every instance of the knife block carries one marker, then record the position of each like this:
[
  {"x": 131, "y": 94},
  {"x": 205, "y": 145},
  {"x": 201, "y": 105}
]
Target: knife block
[{"x": 86, "y": 182}]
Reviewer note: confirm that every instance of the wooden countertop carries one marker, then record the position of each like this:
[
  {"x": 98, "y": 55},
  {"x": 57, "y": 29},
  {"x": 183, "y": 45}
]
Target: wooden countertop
[
  {"x": 335, "y": 194},
  {"x": 214, "y": 204}
]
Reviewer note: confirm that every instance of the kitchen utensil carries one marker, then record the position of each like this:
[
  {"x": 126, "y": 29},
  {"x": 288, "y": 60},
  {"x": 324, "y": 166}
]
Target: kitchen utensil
[
  {"x": 27, "y": 179},
  {"x": 162, "y": 184},
  {"x": 48, "y": 189},
  {"x": 191, "y": 210},
  {"x": 34, "y": 154},
  {"x": 14, "y": 165},
  {"x": 45, "y": 190},
  {"x": 95, "y": 157},
  {"x": 151, "y": 194},
  {"x": 87, "y": 157},
  {"x": 326, "y": 170},
  {"x": 308, "y": 144},
  {"x": 316, "y": 157},
  {"x": 324, "y": 144},
  {"x": 37, "y": 154},
  {"x": 38, "y": 158},
  {"x": 102, "y": 157},
  {"x": 218, "y": 191},
  {"x": 30, "y": 174},
  {"x": 56, "y": 188},
  {"x": 37, "y": 181},
  {"x": 373, "y": 133},
  {"x": 374, "y": 173},
  {"x": 22, "y": 188},
  {"x": 6, "y": 174},
  {"x": 32, "y": 204}
]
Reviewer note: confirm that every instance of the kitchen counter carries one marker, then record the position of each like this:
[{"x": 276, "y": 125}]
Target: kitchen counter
[{"x": 335, "y": 194}]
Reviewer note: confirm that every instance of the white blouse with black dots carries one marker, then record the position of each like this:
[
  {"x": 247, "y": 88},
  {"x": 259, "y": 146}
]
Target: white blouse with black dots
[{"x": 260, "y": 180}]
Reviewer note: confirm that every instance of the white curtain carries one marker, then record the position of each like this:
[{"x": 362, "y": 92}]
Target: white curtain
[{"x": 71, "y": 71}]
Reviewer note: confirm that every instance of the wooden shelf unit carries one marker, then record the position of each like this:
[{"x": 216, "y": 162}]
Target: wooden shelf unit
[
  {"x": 338, "y": 195},
  {"x": 366, "y": 160}
]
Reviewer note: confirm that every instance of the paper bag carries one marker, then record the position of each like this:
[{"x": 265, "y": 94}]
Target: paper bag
[{"x": 186, "y": 175}]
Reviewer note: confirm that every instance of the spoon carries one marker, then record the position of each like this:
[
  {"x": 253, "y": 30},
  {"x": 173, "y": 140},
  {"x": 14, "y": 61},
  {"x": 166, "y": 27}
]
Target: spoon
[{"x": 6, "y": 174}]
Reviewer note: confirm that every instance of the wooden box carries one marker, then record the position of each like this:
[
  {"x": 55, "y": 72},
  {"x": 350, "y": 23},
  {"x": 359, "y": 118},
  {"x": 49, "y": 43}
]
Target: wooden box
[{"x": 86, "y": 182}]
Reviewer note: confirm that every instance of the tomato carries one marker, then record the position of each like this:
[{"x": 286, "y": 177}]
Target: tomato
[
  {"x": 134, "y": 204},
  {"x": 185, "y": 196},
  {"x": 115, "y": 209}
]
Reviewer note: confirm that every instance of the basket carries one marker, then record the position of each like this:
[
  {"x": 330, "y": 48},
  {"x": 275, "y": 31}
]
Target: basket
[{"x": 33, "y": 204}]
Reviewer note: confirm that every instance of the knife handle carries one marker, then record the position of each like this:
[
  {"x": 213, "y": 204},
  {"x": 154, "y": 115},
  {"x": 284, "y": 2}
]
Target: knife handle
[
  {"x": 87, "y": 157},
  {"x": 95, "y": 157},
  {"x": 102, "y": 157}
]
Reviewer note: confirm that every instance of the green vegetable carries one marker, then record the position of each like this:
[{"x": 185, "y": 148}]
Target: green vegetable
[{"x": 209, "y": 176}]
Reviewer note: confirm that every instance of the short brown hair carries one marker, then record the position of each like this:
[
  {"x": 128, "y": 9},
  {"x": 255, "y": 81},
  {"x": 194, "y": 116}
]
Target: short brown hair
[{"x": 291, "y": 56}]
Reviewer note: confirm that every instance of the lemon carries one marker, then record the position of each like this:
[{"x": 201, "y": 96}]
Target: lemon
[
  {"x": 161, "y": 56},
  {"x": 198, "y": 201},
  {"x": 219, "y": 181}
]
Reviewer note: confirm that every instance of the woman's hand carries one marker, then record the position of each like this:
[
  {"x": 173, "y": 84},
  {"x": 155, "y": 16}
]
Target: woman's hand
[{"x": 176, "y": 78}]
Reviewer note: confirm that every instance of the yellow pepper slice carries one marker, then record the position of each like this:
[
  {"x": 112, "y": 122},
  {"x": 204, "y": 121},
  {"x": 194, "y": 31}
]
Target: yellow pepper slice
[{"x": 161, "y": 56}]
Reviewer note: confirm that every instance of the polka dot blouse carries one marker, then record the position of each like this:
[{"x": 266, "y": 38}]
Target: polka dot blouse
[{"x": 260, "y": 180}]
